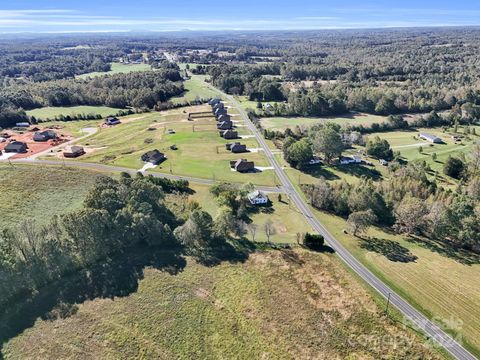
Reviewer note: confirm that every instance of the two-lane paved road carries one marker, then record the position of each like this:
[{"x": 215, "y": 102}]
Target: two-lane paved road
[{"x": 417, "y": 318}]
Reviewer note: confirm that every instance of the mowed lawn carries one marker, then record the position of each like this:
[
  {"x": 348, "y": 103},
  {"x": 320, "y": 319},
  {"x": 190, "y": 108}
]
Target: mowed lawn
[
  {"x": 273, "y": 305},
  {"x": 282, "y": 123},
  {"x": 286, "y": 219},
  {"x": 117, "y": 68},
  {"x": 36, "y": 192},
  {"x": 50, "y": 113},
  {"x": 195, "y": 87},
  {"x": 201, "y": 151}
]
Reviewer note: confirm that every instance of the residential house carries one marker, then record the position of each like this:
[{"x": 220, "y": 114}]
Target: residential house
[
  {"x": 16, "y": 147},
  {"x": 219, "y": 112},
  {"x": 45, "y": 135},
  {"x": 242, "y": 165},
  {"x": 225, "y": 125},
  {"x": 155, "y": 157},
  {"x": 229, "y": 134},
  {"x": 224, "y": 117},
  {"x": 257, "y": 197},
  {"x": 214, "y": 101},
  {"x": 218, "y": 106},
  {"x": 237, "y": 147},
  {"x": 73, "y": 151},
  {"x": 430, "y": 138},
  {"x": 112, "y": 121},
  {"x": 346, "y": 160}
]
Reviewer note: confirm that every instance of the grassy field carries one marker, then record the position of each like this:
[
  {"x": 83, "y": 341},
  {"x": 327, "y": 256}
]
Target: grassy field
[
  {"x": 201, "y": 153},
  {"x": 273, "y": 305},
  {"x": 287, "y": 220},
  {"x": 50, "y": 113},
  {"x": 282, "y": 123},
  {"x": 40, "y": 192},
  {"x": 117, "y": 68},
  {"x": 195, "y": 88}
]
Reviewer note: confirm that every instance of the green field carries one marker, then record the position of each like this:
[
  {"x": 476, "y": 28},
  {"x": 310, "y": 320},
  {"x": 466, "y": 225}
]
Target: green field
[
  {"x": 117, "y": 68},
  {"x": 282, "y": 123},
  {"x": 50, "y": 113},
  {"x": 286, "y": 219},
  {"x": 201, "y": 153},
  {"x": 273, "y": 305},
  {"x": 40, "y": 192},
  {"x": 195, "y": 87}
]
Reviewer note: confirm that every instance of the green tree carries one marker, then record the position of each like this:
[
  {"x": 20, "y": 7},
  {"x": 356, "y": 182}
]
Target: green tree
[
  {"x": 454, "y": 167},
  {"x": 379, "y": 148},
  {"x": 327, "y": 141},
  {"x": 360, "y": 221}
]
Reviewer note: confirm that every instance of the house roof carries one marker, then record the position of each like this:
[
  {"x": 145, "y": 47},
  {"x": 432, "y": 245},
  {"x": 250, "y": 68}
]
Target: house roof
[
  {"x": 429, "y": 136},
  {"x": 16, "y": 145},
  {"x": 153, "y": 156},
  {"x": 74, "y": 149},
  {"x": 257, "y": 194}
]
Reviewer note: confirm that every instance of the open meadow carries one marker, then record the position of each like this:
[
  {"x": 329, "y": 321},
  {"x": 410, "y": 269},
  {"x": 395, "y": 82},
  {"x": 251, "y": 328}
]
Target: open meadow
[
  {"x": 52, "y": 113},
  {"x": 273, "y": 304},
  {"x": 282, "y": 123},
  {"x": 117, "y": 68},
  {"x": 195, "y": 88},
  {"x": 34, "y": 192}
]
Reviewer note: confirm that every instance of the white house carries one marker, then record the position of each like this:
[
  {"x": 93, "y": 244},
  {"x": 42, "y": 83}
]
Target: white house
[
  {"x": 346, "y": 160},
  {"x": 257, "y": 197}
]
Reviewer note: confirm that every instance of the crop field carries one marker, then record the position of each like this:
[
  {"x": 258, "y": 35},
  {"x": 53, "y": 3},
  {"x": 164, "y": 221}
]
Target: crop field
[
  {"x": 50, "y": 113},
  {"x": 286, "y": 219},
  {"x": 117, "y": 68},
  {"x": 272, "y": 305},
  {"x": 201, "y": 151},
  {"x": 40, "y": 192},
  {"x": 195, "y": 87},
  {"x": 282, "y": 123}
]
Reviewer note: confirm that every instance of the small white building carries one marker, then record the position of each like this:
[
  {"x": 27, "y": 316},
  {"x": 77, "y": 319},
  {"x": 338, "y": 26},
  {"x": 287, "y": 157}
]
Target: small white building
[
  {"x": 346, "y": 160},
  {"x": 22, "y": 124},
  {"x": 431, "y": 138},
  {"x": 257, "y": 197},
  {"x": 383, "y": 162}
]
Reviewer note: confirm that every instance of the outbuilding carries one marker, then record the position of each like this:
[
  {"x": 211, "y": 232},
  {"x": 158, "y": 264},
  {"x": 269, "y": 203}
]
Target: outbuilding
[
  {"x": 430, "y": 138},
  {"x": 346, "y": 160},
  {"x": 73, "y": 151},
  {"x": 112, "y": 121}
]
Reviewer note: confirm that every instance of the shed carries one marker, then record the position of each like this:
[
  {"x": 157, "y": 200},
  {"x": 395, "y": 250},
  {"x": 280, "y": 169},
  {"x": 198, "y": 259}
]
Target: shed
[
  {"x": 73, "y": 151},
  {"x": 346, "y": 160},
  {"x": 112, "y": 121},
  {"x": 431, "y": 138},
  {"x": 22, "y": 124}
]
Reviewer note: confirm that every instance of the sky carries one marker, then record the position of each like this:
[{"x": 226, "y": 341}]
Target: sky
[{"x": 63, "y": 16}]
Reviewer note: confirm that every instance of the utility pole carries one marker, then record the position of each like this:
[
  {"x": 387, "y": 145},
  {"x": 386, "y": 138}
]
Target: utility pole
[{"x": 388, "y": 303}]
